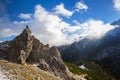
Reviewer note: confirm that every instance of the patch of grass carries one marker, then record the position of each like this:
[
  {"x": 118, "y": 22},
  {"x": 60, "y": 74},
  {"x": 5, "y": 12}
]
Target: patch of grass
[
  {"x": 75, "y": 69},
  {"x": 26, "y": 76}
]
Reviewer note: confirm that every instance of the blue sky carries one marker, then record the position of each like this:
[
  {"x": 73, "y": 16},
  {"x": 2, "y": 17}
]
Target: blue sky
[
  {"x": 98, "y": 9},
  {"x": 69, "y": 19}
]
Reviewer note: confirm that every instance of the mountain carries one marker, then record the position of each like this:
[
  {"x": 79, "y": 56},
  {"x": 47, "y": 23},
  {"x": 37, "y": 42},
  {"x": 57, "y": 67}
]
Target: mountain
[
  {"x": 116, "y": 22},
  {"x": 26, "y": 49},
  {"x": 104, "y": 51},
  {"x": 87, "y": 48}
]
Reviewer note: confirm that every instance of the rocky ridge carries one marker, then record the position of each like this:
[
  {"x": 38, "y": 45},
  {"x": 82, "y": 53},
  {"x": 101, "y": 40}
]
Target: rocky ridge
[{"x": 26, "y": 49}]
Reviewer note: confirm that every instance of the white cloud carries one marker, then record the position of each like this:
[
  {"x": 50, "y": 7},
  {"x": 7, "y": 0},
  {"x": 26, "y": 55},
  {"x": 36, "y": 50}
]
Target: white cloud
[
  {"x": 76, "y": 22},
  {"x": 117, "y": 4},
  {"x": 25, "y": 16},
  {"x": 95, "y": 28},
  {"x": 50, "y": 28},
  {"x": 47, "y": 27},
  {"x": 22, "y": 22},
  {"x": 80, "y": 6},
  {"x": 6, "y": 27},
  {"x": 60, "y": 9},
  {"x": 6, "y": 32}
]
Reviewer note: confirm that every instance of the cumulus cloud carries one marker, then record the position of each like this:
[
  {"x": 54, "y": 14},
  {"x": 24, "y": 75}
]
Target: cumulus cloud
[
  {"x": 25, "y": 16},
  {"x": 81, "y": 6},
  {"x": 50, "y": 28},
  {"x": 47, "y": 27},
  {"x": 95, "y": 28},
  {"x": 60, "y": 9},
  {"x": 91, "y": 29},
  {"x": 117, "y": 4}
]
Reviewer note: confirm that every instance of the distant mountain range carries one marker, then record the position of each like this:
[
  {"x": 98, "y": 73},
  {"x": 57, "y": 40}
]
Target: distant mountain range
[{"x": 104, "y": 51}]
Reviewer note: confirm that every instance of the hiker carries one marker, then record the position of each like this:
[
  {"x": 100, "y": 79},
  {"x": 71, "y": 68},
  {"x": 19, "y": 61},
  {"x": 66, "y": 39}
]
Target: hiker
[{"x": 27, "y": 27}]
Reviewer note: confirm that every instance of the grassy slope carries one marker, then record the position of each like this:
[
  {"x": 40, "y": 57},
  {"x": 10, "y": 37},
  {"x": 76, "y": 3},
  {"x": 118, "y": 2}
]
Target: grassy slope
[{"x": 94, "y": 72}]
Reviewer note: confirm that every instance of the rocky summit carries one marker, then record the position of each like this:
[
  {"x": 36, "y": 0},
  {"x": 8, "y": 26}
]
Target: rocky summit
[{"x": 26, "y": 49}]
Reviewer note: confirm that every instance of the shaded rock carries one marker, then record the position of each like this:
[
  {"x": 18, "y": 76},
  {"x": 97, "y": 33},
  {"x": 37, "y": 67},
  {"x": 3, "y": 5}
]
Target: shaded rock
[{"x": 20, "y": 47}]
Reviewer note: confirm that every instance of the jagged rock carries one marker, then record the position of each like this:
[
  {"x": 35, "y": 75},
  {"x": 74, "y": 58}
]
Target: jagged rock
[
  {"x": 25, "y": 48},
  {"x": 20, "y": 47}
]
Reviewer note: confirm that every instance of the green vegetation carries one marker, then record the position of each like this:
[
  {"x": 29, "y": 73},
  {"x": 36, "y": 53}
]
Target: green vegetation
[{"x": 94, "y": 72}]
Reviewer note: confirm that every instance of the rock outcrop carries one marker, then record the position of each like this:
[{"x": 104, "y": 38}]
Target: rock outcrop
[
  {"x": 25, "y": 48},
  {"x": 20, "y": 48}
]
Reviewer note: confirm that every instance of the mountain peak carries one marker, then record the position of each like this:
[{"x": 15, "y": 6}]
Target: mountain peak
[
  {"x": 26, "y": 31},
  {"x": 26, "y": 34}
]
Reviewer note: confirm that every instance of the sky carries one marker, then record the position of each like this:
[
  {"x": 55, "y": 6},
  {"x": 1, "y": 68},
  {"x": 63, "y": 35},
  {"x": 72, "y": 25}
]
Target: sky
[{"x": 58, "y": 22}]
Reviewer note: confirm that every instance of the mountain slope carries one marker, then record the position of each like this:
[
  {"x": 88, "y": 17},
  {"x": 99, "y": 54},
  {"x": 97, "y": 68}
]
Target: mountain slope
[
  {"x": 90, "y": 49},
  {"x": 104, "y": 51},
  {"x": 90, "y": 70}
]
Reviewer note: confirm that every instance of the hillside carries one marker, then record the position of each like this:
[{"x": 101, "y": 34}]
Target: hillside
[{"x": 13, "y": 71}]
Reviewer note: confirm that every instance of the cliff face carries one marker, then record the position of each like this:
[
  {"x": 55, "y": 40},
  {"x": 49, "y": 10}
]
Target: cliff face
[{"x": 25, "y": 48}]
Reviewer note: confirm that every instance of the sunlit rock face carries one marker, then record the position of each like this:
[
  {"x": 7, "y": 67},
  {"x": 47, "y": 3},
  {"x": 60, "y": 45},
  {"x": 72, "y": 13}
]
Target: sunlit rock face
[{"x": 25, "y": 48}]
